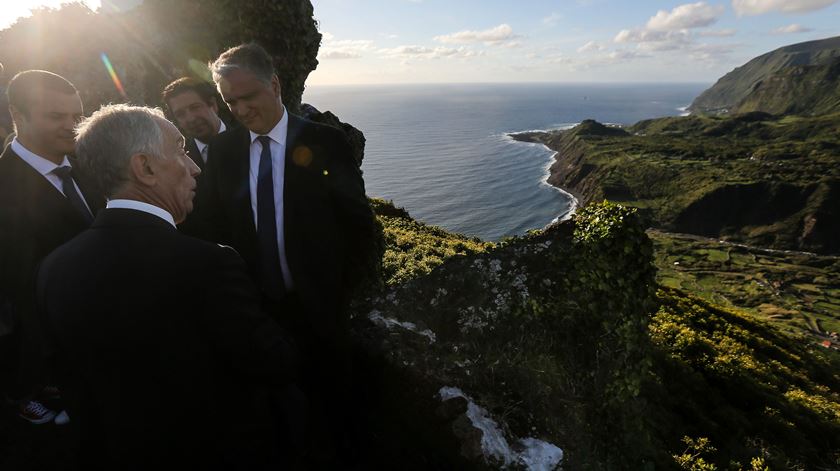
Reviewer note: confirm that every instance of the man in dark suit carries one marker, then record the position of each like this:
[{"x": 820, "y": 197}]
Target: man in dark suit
[
  {"x": 192, "y": 104},
  {"x": 287, "y": 194},
  {"x": 43, "y": 203},
  {"x": 151, "y": 323}
]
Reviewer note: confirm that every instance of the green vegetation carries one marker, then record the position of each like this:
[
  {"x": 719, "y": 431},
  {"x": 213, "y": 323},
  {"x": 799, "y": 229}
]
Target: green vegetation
[
  {"x": 797, "y": 292},
  {"x": 413, "y": 248},
  {"x": 753, "y": 178},
  {"x": 561, "y": 336},
  {"x": 753, "y": 391},
  {"x": 770, "y": 83}
]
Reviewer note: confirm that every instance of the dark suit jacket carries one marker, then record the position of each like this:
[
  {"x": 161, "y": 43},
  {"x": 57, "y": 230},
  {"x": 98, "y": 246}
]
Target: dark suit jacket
[
  {"x": 192, "y": 148},
  {"x": 329, "y": 226},
  {"x": 162, "y": 347},
  {"x": 192, "y": 151},
  {"x": 35, "y": 218}
]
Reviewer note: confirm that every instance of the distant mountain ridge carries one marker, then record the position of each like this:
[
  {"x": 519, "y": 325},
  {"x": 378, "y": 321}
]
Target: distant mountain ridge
[{"x": 801, "y": 78}]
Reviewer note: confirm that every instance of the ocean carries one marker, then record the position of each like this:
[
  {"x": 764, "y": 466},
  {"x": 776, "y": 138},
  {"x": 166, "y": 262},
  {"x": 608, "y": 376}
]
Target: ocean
[{"x": 443, "y": 151}]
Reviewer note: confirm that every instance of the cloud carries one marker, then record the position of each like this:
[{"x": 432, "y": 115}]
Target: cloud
[
  {"x": 688, "y": 16},
  {"x": 552, "y": 19},
  {"x": 590, "y": 47},
  {"x": 332, "y": 49},
  {"x": 339, "y": 55},
  {"x": 492, "y": 36},
  {"x": 721, "y": 33},
  {"x": 423, "y": 52},
  {"x": 790, "y": 29},
  {"x": 760, "y": 7},
  {"x": 677, "y": 30}
]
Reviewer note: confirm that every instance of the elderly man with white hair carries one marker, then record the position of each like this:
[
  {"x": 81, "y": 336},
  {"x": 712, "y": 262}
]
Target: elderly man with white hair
[{"x": 164, "y": 354}]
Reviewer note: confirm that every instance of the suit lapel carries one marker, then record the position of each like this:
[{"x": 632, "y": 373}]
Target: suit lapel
[
  {"x": 239, "y": 174},
  {"x": 42, "y": 196},
  {"x": 194, "y": 153},
  {"x": 294, "y": 195}
]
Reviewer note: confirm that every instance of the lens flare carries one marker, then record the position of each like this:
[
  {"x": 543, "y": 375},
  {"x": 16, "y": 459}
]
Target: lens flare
[{"x": 114, "y": 77}]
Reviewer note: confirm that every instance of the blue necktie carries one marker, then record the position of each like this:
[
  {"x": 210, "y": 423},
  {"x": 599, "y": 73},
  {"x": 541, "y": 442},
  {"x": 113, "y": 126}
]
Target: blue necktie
[
  {"x": 72, "y": 194},
  {"x": 271, "y": 277}
]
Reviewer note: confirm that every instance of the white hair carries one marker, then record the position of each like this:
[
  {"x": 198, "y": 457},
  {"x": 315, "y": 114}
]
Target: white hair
[{"x": 107, "y": 139}]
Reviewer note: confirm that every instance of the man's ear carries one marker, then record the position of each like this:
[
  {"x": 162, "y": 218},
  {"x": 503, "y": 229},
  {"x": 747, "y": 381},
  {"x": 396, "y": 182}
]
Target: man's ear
[
  {"x": 17, "y": 115},
  {"x": 214, "y": 106},
  {"x": 141, "y": 170},
  {"x": 275, "y": 85}
]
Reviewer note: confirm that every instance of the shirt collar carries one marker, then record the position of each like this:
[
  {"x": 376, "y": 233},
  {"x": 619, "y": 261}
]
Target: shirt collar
[
  {"x": 141, "y": 206},
  {"x": 40, "y": 164},
  {"x": 201, "y": 144},
  {"x": 278, "y": 133}
]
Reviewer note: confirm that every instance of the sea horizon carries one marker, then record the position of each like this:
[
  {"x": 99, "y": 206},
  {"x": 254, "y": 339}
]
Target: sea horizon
[{"x": 444, "y": 152}]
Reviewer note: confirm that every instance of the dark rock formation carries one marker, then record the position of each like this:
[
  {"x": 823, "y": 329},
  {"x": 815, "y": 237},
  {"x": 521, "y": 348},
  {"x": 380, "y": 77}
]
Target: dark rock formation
[{"x": 355, "y": 137}]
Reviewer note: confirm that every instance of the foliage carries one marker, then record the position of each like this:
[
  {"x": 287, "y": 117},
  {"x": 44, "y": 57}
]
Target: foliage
[
  {"x": 752, "y": 390},
  {"x": 753, "y": 178},
  {"x": 158, "y": 42},
  {"x": 413, "y": 248},
  {"x": 560, "y": 336},
  {"x": 797, "y": 292}
]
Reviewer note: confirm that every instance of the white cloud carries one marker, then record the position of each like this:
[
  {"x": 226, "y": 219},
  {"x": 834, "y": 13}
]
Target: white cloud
[
  {"x": 332, "y": 49},
  {"x": 759, "y": 7},
  {"x": 423, "y": 52},
  {"x": 721, "y": 33},
  {"x": 491, "y": 36},
  {"x": 676, "y": 30},
  {"x": 688, "y": 16},
  {"x": 794, "y": 28},
  {"x": 591, "y": 46},
  {"x": 339, "y": 55},
  {"x": 552, "y": 19}
]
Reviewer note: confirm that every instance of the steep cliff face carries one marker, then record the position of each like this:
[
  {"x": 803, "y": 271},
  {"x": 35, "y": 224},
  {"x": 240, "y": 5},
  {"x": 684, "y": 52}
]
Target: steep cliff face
[{"x": 766, "y": 71}]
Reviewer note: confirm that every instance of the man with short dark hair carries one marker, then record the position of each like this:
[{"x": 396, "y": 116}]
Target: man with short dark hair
[
  {"x": 43, "y": 203},
  {"x": 165, "y": 357},
  {"x": 192, "y": 104},
  {"x": 287, "y": 194}
]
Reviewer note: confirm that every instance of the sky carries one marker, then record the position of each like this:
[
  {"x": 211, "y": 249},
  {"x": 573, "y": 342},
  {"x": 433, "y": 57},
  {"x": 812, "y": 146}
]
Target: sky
[
  {"x": 431, "y": 41},
  {"x": 493, "y": 41}
]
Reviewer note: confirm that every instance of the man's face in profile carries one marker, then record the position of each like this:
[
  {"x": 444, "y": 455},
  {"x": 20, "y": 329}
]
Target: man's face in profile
[
  {"x": 50, "y": 121},
  {"x": 175, "y": 171},
  {"x": 196, "y": 117},
  {"x": 255, "y": 103}
]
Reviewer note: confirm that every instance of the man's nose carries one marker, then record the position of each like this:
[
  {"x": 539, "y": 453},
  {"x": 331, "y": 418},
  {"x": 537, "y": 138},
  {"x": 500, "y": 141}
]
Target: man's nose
[{"x": 194, "y": 169}]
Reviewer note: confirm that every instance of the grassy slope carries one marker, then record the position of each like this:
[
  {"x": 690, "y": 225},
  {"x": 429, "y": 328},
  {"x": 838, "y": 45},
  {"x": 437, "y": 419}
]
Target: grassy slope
[
  {"x": 756, "y": 390},
  {"x": 735, "y": 86}
]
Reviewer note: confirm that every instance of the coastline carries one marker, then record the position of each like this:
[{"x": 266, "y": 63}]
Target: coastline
[{"x": 526, "y": 137}]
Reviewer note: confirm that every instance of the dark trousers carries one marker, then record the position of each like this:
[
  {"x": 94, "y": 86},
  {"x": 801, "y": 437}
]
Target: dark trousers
[{"x": 325, "y": 380}]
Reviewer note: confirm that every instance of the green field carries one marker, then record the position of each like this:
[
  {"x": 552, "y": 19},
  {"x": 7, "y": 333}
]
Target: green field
[{"x": 799, "y": 292}]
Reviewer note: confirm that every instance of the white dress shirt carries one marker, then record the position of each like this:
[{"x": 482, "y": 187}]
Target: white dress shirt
[
  {"x": 202, "y": 146},
  {"x": 141, "y": 206},
  {"x": 278, "y": 171},
  {"x": 46, "y": 168}
]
